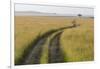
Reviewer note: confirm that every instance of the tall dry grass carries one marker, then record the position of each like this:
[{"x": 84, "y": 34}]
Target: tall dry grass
[
  {"x": 28, "y": 27},
  {"x": 78, "y": 43}
]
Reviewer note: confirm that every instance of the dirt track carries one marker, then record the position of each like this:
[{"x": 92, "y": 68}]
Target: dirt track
[{"x": 55, "y": 55}]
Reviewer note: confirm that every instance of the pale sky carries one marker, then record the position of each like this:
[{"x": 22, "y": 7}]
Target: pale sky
[{"x": 56, "y": 9}]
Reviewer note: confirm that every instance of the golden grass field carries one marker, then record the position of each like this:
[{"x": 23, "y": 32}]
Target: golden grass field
[{"x": 77, "y": 43}]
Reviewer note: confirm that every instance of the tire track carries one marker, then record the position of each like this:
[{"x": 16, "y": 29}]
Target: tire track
[
  {"x": 55, "y": 53},
  {"x": 33, "y": 55}
]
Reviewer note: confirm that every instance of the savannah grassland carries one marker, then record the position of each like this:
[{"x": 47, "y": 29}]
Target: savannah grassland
[{"x": 76, "y": 43}]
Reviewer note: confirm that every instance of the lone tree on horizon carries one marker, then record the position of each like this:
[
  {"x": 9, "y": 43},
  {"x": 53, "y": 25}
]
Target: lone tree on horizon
[{"x": 79, "y": 15}]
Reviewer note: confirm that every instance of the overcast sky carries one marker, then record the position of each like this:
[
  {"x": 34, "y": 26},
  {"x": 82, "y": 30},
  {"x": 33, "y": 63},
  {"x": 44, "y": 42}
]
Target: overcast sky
[{"x": 55, "y": 9}]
